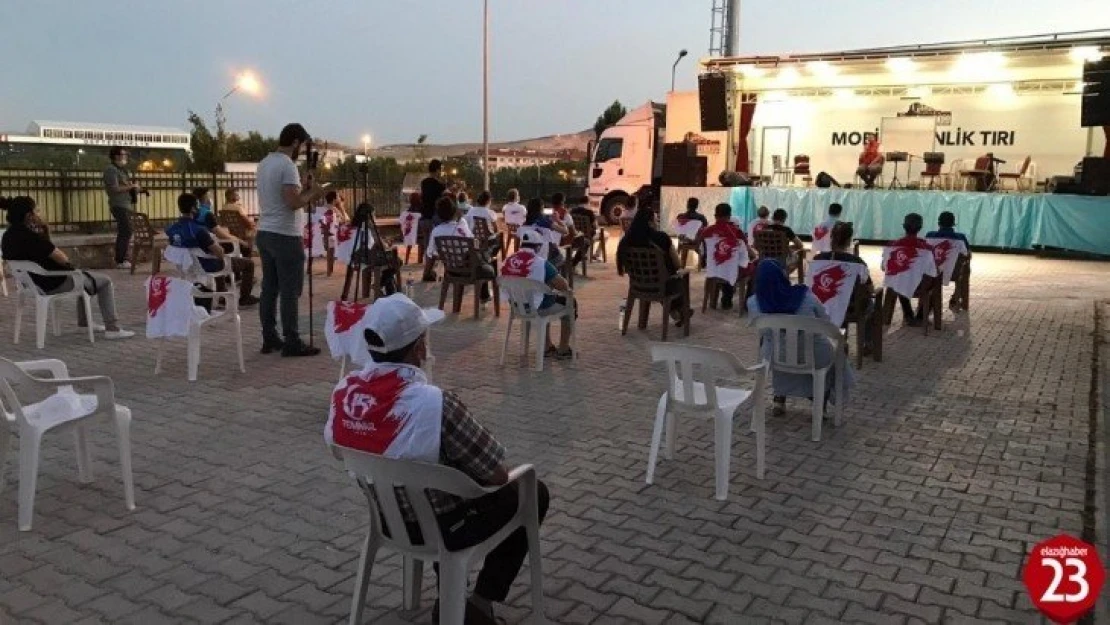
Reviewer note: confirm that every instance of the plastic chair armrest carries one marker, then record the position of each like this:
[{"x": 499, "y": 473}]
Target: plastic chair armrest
[
  {"x": 56, "y": 368},
  {"x": 102, "y": 386}
]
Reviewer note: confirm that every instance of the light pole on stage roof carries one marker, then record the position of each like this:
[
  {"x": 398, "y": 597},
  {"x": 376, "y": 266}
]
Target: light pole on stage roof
[{"x": 681, "y": 53}]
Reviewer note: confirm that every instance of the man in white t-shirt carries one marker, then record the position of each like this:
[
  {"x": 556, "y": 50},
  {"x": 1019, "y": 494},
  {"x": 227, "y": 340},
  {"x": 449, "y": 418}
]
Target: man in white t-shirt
[
  {"x": 482, "y": 211},
  {"x": 451, "y": 224},
  {"x": 513, "y": 211},
  {"x": 280, "y": 241}
]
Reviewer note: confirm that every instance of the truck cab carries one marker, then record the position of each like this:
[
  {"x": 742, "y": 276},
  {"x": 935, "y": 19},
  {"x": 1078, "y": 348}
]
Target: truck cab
[{"x": 625, "y": 160}]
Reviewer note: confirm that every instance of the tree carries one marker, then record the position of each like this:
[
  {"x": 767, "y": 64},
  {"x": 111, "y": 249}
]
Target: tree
[
  {"x": 610, "y": 117},
  {"x": 205, "y": 146}
]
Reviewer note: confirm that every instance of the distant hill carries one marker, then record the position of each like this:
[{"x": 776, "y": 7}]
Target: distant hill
[{"x": 552, "y": 143}]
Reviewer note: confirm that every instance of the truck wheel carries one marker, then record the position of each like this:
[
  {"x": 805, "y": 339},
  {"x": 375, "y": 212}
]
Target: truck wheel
[{"x": 613, "y": 209}]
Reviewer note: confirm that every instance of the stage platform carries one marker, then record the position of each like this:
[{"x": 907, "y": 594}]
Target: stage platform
[{"x": 1020, "y": 221}]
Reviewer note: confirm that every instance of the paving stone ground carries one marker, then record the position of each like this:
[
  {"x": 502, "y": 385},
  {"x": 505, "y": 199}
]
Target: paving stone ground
[{"x": 958, "y": 452}]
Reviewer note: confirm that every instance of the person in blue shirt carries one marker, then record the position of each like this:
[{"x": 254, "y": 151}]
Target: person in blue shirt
[
  {"x": 947, "y": 230},
  {"x": 187, "y": 233},
  {"x": 535, "y": 217}
]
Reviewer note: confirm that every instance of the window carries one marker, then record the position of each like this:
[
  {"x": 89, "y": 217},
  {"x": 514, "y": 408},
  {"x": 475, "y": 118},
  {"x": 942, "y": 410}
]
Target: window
[{"x": 608, "y": 149}]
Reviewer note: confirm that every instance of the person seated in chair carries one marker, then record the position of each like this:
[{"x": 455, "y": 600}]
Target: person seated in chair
[
  {"x": 778, "y": 222},
  {"x": 513, "y": 211},
  {"x": 233, "y": 203},
  {"x": 434, "y": 427},
  {"x": 187, "y": 233},
  {"x": 644, "y": 232},
  {"x": 946, "y": 223},
  {"x": 579, "y": 246},
  {"x": 871, "y": 163},
  {"x": 841, "y": 240},
  {"x": 774, "y": 295},
  {"x": 582, "y": 209},
  {"x": 21, "y": 242},
  {"x": 525, "y": 258},
  {"x": 692, "y": 213},
  {"x": 912, "y": 225},
  {"x": 761, "y": 221},
  {"x": 548, "y": 226},
  {"x": 452, "y": 225},
  {"x": 723, "y": 227}
]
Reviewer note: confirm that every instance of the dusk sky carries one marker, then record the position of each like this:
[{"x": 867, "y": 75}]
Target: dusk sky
[{"x": 397, "y": 69}]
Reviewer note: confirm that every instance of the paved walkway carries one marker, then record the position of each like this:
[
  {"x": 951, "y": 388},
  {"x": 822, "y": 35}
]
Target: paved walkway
[{"x": 958, "y": 452}]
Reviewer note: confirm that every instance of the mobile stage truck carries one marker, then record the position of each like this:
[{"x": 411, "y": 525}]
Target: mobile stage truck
[{"x": 1015, "y": 99}]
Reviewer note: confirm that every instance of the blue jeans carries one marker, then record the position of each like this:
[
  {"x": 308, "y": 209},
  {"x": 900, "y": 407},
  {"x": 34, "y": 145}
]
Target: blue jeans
[{"x": 282, "y": 278}]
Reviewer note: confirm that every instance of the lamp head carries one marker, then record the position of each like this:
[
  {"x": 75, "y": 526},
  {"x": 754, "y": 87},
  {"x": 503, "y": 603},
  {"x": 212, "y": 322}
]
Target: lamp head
[{"x": 682, "y": 53}]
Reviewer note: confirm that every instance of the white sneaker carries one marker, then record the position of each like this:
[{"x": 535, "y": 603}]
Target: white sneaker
[
  {"x": 124, "y": 265},
  {"x": 115, "y": 335}
]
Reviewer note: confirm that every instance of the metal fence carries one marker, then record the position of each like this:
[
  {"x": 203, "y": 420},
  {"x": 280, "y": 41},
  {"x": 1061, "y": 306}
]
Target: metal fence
[{"x": 75, "y": 200}]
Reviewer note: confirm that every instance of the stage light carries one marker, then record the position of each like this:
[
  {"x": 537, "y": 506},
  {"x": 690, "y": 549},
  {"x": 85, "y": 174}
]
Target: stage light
[
  {"x": 1001, "y": 91},
  {"x": 978, "y": 65},
  {"x": 1082, "y": 54},
  {"x": 822, "y": 69},
  {"x": 788, "y": 76},
  {"x": 750, "y": 71},
  {"x": 901, "y": 65}
]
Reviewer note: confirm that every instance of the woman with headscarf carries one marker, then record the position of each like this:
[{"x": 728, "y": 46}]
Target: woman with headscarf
[
  {"x": 775, "y": 295},
  {"x": 21, "y": 242},
  {"x": 644, "y": 232},
  {"x": 870, "y": 163}
]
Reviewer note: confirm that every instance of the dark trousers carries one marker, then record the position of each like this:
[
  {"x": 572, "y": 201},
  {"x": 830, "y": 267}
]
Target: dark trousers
[
  {"x": 479, "y": 519},
  {"x": 727, "y": 291},
  {"x": 282, "y": 278},
  {"x": 122, "y": 215}
]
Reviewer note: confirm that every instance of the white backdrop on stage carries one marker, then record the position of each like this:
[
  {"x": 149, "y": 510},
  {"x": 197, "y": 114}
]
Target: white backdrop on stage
[
  {"x": 831, "y": 129},
  {"x": 672, "y": 201},
  {"x": 913, "y": 135}
]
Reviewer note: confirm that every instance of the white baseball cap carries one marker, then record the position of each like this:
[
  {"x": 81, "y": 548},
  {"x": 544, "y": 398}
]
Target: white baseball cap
[
  {"x": 399, "y": 321},
  {"x": 532, "y": 236}
]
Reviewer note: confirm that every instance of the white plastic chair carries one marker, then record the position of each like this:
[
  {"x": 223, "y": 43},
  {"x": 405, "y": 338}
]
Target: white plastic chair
[
  {"x": 3, "y": 279},
  {"x": 230, "y": 297},
  {"x": 414, "y": 478},
  {"x": 64, "y": 409},
  {"x": 25, "y": 288},
  {"x": 523, "y": 295},
  {"x": 792, "y": 351},
  {"x": 701, "y": 396}
]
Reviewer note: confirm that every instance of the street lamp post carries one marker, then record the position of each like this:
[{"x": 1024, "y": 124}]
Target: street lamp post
[
  {"x": 681, "y": 53},
  {"x": 246, "y": 82},
  {"x": 485, "y": 94},
  {"x": 366, "y": 147}
]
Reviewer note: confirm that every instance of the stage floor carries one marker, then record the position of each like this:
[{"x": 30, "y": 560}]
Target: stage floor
[{"x": 1022, "y": 221}]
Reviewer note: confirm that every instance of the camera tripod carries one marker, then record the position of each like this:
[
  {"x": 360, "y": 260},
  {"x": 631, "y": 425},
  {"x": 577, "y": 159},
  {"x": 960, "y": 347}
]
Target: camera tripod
[{"x": 370, "y": 265}]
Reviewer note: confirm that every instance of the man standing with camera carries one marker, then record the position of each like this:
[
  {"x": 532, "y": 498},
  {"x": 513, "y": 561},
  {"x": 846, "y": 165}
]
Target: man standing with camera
[
  {"x": 123, "y": 194},
  {"x": 280, "y": 241}
]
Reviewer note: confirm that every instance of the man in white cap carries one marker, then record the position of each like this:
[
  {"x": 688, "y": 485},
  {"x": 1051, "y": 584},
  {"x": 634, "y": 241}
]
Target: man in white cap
[
  {"x": 389, "y": 408},
  {"x": 527, "y": 263}
]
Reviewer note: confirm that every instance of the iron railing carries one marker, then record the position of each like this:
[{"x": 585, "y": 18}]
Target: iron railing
[{"x": 75, "y": 200}]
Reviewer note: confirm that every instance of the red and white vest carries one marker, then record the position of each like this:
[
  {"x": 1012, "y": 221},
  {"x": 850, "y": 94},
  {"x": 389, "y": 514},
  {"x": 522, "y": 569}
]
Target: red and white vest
[
  {"x": 946, "y": 252},
  {"x": 410, "y": 225},
  {"x": 832, "y": 283},
  {"x": 822, "y": 239},
  {"x": 170, "y": 310},
  {"x": 387, "y": 409},
  {"x": 904, "y": 264},
  {"x": 726, "y": 253},
  {"x": 344, "y": 330},
  {"x": 525, "y": 264},
  {"x": 685, "y": 227}
]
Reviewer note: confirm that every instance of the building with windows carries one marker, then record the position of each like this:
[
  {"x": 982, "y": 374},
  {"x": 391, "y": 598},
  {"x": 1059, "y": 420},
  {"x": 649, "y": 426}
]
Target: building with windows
[
  {"x": 83, "y": 144},
  {"x": 502, "y": 158}
]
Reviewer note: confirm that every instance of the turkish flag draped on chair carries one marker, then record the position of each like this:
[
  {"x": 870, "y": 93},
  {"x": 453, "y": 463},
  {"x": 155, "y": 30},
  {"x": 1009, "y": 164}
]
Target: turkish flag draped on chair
[
  {"x": 832, "y": 283},
  {"x": 345, "y": 243},
  {"x": 724, "y": 257},
  {"x": 410, "y": 223},
  {"x": 169, "y": 307},
  {"x": 904, "y": 267},
  {"x": 946, "y": 252},
  {"x": 344, "y": 331}
]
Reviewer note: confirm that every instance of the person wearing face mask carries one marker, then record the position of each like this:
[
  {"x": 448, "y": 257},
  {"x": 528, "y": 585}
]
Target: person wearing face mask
[
  {"x": 121, "y": 192},
  {"x": 391, "y": 409},
  {"x": 281, "y": 198}
]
